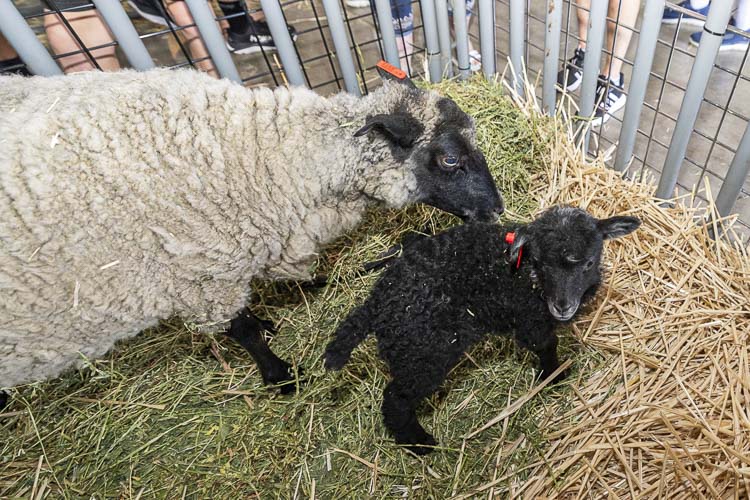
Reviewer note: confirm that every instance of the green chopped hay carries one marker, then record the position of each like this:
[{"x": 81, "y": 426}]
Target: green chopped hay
[{"x": 176, "y": 414}]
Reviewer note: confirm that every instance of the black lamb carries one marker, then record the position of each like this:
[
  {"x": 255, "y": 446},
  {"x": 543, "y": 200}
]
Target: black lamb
[{"x": 446, "y": 292}]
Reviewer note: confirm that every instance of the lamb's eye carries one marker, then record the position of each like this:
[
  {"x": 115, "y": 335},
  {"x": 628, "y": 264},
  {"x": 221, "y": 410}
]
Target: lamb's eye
[
  {"x": 449, "y": 161},
  {"x": 589, "y": 264}
]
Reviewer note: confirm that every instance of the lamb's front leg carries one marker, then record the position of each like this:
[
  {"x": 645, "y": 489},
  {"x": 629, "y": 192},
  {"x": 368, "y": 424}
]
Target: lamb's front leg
[
  {"x": 3, "y": 400},
  {"x": 543, "y": 343},
  {"x": 247, "y": 329}
]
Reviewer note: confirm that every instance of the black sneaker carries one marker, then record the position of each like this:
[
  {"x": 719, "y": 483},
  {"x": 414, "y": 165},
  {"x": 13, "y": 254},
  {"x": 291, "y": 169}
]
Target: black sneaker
[
  {"x": 14, "y": 66},
  {"x": 256, "y": 38},
  {"x": 148, "y": 10},
  {"x": 570, "y": 77},
  {"x": 610, "y": 98}
]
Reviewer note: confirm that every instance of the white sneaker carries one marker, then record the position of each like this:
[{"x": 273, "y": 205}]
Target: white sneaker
[
  {"x": 358, "y": 4},
  {"x": 475, "y": 61}
]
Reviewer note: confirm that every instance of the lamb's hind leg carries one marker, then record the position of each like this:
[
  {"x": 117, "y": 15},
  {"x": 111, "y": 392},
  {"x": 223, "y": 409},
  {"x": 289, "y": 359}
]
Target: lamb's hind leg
[
  {"x": 247, "y": 330},
  {"x": 400, "y": 401},
  {"x": 3, "y": 400}
]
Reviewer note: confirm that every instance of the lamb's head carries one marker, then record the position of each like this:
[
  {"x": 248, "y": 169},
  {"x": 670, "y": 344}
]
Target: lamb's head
[
  {"x": 564, "y": 246},
  {"x": 431, "y": 154}
]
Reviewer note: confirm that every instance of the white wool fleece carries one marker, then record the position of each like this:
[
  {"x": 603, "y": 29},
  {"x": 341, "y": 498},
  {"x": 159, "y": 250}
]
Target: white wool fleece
[{"x": 127, "y": 198}]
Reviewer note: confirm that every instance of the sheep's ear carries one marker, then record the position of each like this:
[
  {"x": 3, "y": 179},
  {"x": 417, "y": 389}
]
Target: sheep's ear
[
  {"x": 521, "y": 239},
  {"x": 614, "y": 227},
  {"x": 391, "y": 73},
  {"x": 401, "y": 128}
]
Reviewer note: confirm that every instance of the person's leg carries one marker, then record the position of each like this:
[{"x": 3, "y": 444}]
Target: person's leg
[
  {"x": 403, "y": 25},
  {"x": 6, "y": 51},
  {"x": 191, "y": 37},
  {"x": 92, "y": 31},
  {"x": 475, "y": 58},
  {"x": 618, "y": 44},
  {"x": 582, "y": 14}
]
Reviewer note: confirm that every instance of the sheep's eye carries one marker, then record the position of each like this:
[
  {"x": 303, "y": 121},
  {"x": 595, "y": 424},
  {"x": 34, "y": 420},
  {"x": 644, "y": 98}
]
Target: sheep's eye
[
  {"x": 449, "y": 161},
  {"x": 589, "y": 264}
]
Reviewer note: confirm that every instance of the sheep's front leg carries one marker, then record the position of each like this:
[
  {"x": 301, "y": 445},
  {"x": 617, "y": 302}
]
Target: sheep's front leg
[
  {"x": 247, "y": 330},
  {"x": 544, "y": 345},
  {"x": 400, "y": 401},
  {"x": 3, "y": 400}
]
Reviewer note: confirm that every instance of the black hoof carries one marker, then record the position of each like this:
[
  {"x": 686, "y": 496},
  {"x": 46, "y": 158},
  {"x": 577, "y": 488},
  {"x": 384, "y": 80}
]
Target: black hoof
[
  {"x": 3, "y": 400},
  {"x": 268, "y": 326},
  {"x": 334, "y": 360},
  {"x": 284, "y": 378},
  {"x": 560, "y": 377},
  {"x": 420, "y": 444},
  {"x": 318, "y": 281}
]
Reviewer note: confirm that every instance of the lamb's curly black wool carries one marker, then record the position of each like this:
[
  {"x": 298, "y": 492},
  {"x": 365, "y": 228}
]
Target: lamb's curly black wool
[{"x": 446, "y": 292}]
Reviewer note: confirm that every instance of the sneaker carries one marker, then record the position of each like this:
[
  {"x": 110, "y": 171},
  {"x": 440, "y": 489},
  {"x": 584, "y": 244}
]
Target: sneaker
[
  {"x": 257, "y": 38},
  {"x": 358, "y": 4},
  {"x": 610, "y": 98},
  {"x": 14, "y": 66},
  {"x": 731, "y": 42},
  {"x": 148, "y": 10},
  {"x": 672, "y": 16},
  {"x": 475, "y": 61},
  {"x": 571, "y": 76}
]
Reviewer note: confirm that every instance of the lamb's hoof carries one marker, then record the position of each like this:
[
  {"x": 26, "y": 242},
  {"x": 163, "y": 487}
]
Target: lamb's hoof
[
  {"x": 334, "y": 360},
  {"x": 268, "y": 326},
  {"x": 560, "y": 377},
  {"x": 317, "y": 281},
  {"x": 419, "y": 445},
  {"x": 284, "y": 378},
  {"x": 3, "y": 400}
]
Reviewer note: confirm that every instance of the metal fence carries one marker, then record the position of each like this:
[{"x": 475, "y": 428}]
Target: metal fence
[{"x": 685, "y": 122}]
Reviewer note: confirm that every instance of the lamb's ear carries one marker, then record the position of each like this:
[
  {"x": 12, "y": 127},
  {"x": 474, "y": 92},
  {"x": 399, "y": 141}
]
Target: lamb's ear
[
  {"x": 614, "y": 227},
  {"x": 391, "y": 73},
  {"x": 401, "y": 128},
  {"x": 521, "y": 239}
]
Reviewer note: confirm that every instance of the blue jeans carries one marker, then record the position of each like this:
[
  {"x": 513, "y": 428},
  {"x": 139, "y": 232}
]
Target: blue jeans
[{"x": 403, "y": 15}]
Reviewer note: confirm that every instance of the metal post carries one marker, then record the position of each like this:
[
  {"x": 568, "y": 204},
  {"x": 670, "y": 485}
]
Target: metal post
[
  {"x": 127, "y": 37},
  {"x": 462, "y": 38},
  {"x": 711, "y": 38},
  {"x": 213, "y": 39},
  {"x": 24, "y": 41},
  {"x": 551, "y": 55},
  {"x": 341, "y": 42},
  {"x": 283, "y": 41},
  {"x": 444, "y": 36},
  {"x": 387, "y": 33},
  {"x": 644, "y": 58},
  {"x": 517, "y": 41},
  {"x": 431, "y": 40},
  {"x": 487, "y": 37},
  {"x": 738, "y": 171},
  {"x": 591, "y": 63}
]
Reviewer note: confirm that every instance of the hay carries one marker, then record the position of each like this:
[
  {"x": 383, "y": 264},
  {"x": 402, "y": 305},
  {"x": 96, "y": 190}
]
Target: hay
[{"x": 657, "y": 403}]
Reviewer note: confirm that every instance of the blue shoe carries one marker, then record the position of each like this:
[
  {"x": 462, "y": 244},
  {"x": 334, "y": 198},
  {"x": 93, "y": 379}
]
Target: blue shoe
[
  {"x": 672, "y": 16},
  {"x": 731, "y": 42}
]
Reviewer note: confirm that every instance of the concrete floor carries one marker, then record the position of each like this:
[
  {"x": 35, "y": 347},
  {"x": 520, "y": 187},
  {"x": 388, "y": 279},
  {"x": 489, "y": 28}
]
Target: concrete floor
[{"x": 704, "y": 159}]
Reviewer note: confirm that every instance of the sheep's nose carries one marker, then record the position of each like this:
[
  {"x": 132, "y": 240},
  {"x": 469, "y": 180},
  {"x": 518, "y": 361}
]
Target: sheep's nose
[
  {"x": 499, "y": 209},
  {"x": 564, "y": 309}
]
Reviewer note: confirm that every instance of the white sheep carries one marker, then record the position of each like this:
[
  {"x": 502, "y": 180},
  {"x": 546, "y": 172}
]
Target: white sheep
[{"x": 127, "y": 198}]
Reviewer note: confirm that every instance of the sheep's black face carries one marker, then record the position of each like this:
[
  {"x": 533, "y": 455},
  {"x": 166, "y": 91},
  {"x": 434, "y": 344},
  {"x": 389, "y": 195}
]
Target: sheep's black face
[
  {"x": 565, "y": 247},
  {"x": 452, "y": 173}
]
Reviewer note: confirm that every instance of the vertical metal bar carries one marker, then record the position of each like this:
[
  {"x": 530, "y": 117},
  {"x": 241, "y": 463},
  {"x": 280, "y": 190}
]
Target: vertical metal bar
[
  {"x": 738, "y": 171},
  {"x": 487, "y": 37},
  {"x": 431, "y": 40},
  {"x": 125, "y": 34},
  {"x": 341, "y": 42},
  {"x": 24, "y": 41},
  {"x": 283, "y": 41},
  {"x": 551, "y": 55},
  {"x": 387, "y": 33},
  {"x": 213, "y": 39},
  {"x": 462, "y": 38},
  {"x": 644, "y": 58},
  {"x": 517, "y": 41},
  {"x": 591, "y": 63},
  {"x": 711, "y": 38},
  {"x": 444, "y": 36}
]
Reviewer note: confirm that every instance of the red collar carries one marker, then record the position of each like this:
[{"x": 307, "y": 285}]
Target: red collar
[{"x": 509, "y": 239}]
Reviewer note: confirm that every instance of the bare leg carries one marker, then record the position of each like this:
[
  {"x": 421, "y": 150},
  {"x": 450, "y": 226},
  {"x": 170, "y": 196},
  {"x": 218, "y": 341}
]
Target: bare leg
[
  {"x": 6, "y": 51},
  {"x": 247, "y": 330},
  {"x": 191, "y": 37},
  {"x": 618, "y": 45},
  {"x": 92, "y": 31},
  {"x": 582, "y": 13}
]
